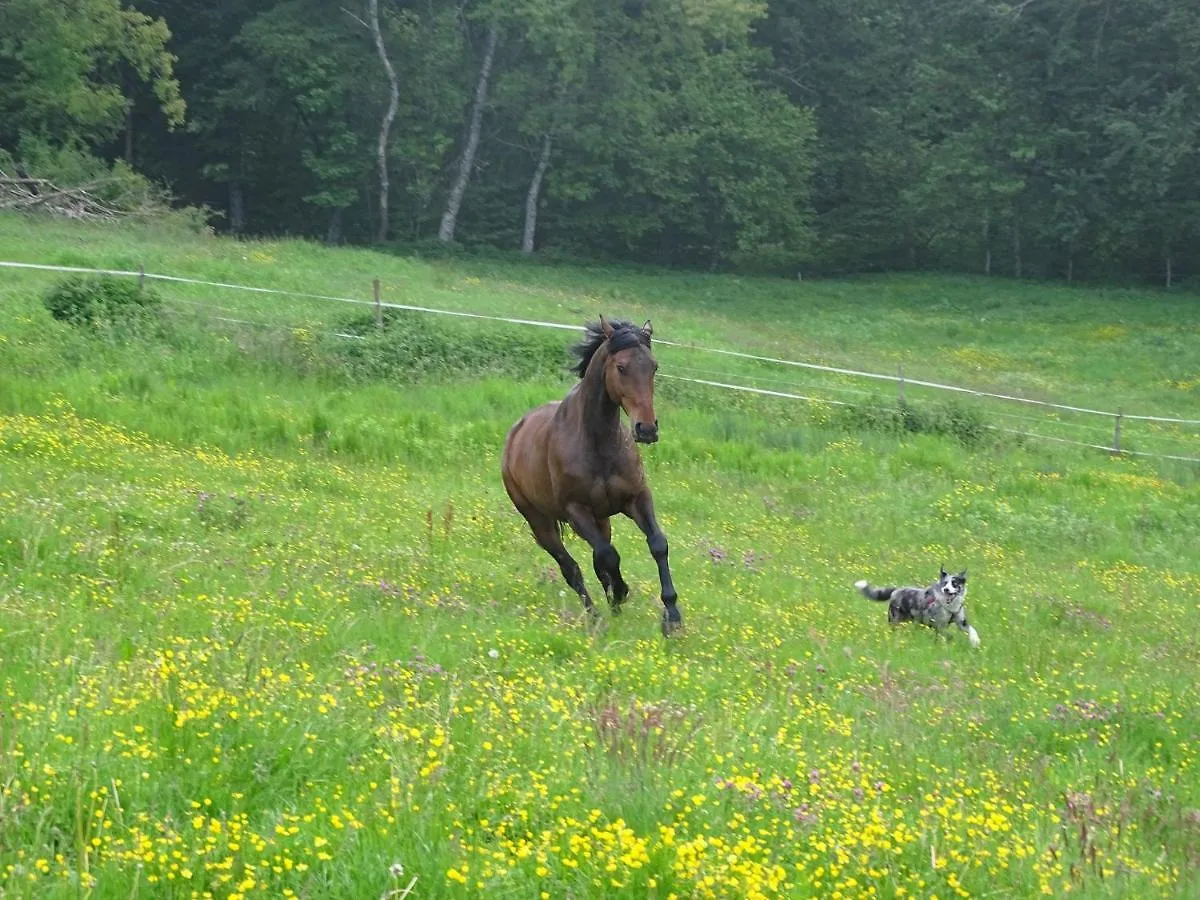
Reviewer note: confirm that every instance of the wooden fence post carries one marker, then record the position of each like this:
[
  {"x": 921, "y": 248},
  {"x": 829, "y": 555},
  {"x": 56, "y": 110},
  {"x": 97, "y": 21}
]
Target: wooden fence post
[
  {"x": 1117, "y": 433},
  {"x": 900, "y": 389},
  {"x": 141, "y": 277},
  {"x": 378, "y": 305}
]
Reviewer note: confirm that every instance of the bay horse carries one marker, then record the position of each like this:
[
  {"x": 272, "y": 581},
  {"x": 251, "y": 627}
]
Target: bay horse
[{"x": 575, "y": 462}]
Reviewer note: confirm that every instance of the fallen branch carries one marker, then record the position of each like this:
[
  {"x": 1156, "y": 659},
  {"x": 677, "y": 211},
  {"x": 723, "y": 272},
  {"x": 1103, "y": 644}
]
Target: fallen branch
[{"x": 41, "y": 194}]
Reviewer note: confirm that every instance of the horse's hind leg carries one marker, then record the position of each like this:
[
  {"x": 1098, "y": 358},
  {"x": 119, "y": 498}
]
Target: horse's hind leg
[
  {"x": 615, "y": 588},
  {"x": 545, "y": 532},
  {"x": 598, "y": 564}
]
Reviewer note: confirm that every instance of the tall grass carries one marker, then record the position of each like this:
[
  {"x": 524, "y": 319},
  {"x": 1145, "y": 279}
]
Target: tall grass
[{"x": 268, "y": 623}]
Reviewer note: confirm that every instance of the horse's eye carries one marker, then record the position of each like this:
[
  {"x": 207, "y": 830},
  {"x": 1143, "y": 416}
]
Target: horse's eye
[{"x": 621, "y": 369}]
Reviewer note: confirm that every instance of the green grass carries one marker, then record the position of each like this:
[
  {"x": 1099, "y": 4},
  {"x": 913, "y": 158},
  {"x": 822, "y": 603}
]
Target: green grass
[{"x": 268, "y": 623}]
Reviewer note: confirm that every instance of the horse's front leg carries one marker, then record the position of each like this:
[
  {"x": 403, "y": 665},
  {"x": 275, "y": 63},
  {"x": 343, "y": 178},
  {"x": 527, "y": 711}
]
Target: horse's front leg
[
  {"x": 641, "y": 510},
  {"x": 615, "y": 588},
  {"x": 605, "y": 559}
]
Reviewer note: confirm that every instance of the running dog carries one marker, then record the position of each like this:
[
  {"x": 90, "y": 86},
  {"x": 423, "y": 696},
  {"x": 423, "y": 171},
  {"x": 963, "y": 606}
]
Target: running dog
[{"x": 939, "y": 605}]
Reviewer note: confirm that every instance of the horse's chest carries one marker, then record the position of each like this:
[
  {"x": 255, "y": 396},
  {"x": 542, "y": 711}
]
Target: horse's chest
[
  {"x": 605, "y": 483},
  {"x": 610, "y": 495}
]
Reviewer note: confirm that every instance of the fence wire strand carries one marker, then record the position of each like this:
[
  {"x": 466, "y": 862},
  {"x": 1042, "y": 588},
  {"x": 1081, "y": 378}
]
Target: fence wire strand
[{"x": 836, "y": 370}]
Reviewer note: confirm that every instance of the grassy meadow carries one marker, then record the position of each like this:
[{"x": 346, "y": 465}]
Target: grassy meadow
[{"x": 270, "y": 627}]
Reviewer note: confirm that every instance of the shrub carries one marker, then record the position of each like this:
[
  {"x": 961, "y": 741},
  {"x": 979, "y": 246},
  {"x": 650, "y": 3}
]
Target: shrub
[
  {"x": 91, "y": 300},
  {"x": 963, "y": 423},
  {"x": 955, "y": 420},
  {"x": 416, "y": 346}
]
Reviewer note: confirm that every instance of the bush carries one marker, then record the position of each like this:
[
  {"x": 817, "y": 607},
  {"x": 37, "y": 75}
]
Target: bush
[
  {"x": 91, "y": 300},
  {"x": 953, "y": 420},
  {"x": 415, "y": 346},
  {"x": 963, "y": 423}
]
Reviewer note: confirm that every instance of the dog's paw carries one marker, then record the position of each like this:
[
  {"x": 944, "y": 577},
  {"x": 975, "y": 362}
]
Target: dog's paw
[
  {"x": 860, "y": 584},
  {"x": 973, "y": 637}
]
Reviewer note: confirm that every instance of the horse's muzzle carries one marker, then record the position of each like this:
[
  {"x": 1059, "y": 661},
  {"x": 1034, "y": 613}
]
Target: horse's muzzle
[{"x": 645, "y": 434}]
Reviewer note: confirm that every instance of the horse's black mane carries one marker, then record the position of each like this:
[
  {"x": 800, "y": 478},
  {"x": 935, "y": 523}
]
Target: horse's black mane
[{"x": 624, "y": 335}]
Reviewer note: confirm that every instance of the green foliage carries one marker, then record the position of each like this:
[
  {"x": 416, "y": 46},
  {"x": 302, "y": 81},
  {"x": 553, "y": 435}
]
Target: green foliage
[
  {"x": 965, "y": 424},
  {"x": 1050, "y": 139},
  {"x": 999, "y": 137},
  {"x": 687, "y": 151},
  {"x": 65, "y": 66},
  {"x": 418, "y": 347},
  {"x": 100, "y": 300},
  {"x": 300, "y": 59}
]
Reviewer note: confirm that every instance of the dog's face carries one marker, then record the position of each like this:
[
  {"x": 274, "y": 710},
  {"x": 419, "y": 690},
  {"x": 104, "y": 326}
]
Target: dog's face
[{"x": 952, "y": 587}]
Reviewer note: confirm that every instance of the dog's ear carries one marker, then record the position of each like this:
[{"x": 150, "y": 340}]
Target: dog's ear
[
  {"x": 963, "y": 574},
  {"x": 942, "y": 570}
]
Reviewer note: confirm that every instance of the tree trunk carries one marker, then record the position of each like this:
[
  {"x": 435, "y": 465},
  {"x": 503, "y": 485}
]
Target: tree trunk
[
  {"x": 237, "y": 209},
  {"x": 385, "y": 126},
  {"x": 1016, "y": 244},
  {"x": 1070, "y": 266},
  {"x": 334, "y": 235},
  {"x": 129, "y": 134},
  {"x": 1169, "y": 272},
  {"x": 987, "y": 247},
  {"x": 535, "y": 190},
  {"x": 454, "y": 201}
]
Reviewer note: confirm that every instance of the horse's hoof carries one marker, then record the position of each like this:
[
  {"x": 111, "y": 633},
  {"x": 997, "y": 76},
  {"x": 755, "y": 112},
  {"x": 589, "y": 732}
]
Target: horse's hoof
[{"x": 671, "y": 624}]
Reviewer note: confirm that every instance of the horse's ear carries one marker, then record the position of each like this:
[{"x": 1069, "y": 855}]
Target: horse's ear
[
  {"x": 606, "y": 328},
  {"x": 647, "y": 330}
]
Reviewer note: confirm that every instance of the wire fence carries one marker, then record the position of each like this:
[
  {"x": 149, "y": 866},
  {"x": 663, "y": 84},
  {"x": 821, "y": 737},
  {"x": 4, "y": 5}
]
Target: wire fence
[{"x": 711, "y": 379}]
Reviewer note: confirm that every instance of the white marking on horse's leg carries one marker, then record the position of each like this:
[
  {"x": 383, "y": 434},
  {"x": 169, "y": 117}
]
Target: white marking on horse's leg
[{"x": 973, "y": 635}]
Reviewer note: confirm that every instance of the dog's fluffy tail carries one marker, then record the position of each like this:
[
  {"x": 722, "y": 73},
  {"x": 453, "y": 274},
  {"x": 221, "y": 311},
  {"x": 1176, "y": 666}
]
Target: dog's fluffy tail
[{"x": 874, "y": 593}]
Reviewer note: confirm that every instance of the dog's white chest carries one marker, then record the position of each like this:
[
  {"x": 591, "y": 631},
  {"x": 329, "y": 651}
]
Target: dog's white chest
[
  {"x": 940, "y": 617},
  {"x": 942, "y": 614}
]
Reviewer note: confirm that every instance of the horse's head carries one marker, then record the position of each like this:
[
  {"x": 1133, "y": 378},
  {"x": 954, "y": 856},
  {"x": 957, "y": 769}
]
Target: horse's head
[{"x": 629, "y": 376}]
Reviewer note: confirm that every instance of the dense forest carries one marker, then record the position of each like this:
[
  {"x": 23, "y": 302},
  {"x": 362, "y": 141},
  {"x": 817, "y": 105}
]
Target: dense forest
[{"x": 1042, "y": 138}]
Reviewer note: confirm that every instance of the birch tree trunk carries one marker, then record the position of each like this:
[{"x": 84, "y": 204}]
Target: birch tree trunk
[
  {"x": 237, "y": 208},
  {"x": 334, "y": 235},
  {"x": 385, "y": 127},
  {"x": 454, "y": 201},
  {"x": 1016, "y": 239},
  {"x": 535, "y": 190},
  {"x": 987, "y": 246},
  {"x": 129, "y": 134}
]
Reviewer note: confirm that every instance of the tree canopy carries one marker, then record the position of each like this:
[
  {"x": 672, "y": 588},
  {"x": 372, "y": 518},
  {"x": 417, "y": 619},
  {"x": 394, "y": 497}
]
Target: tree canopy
[
  {"x": 1048, "y": 138},
  {"x": 65, "y": 65}
]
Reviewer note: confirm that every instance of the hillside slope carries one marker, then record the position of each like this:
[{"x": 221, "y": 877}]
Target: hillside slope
[{"x": 269, "y": 625}]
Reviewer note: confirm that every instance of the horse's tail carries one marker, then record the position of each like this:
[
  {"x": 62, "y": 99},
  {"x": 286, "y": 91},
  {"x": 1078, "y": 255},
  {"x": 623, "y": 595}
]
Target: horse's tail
[{"x": 874, "y": 593}]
